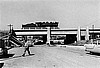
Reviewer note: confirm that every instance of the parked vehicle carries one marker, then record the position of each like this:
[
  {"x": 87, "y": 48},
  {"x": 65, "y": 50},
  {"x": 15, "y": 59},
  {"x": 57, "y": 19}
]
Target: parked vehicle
[
  {"x": 38, "y": 42},
  {"x": 3, "y": 49},
  {"x": 93, "y": 47}
]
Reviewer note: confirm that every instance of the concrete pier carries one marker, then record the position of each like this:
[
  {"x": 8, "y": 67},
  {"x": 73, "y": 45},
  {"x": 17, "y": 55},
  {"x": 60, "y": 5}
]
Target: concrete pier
[
  {"x": 79, "y": 34},
  {"x": 48, "y": 35},
  {"x": 87, "y": 34}
]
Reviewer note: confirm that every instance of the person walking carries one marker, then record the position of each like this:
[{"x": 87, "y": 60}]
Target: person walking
[{"x": 27, "y": 45}]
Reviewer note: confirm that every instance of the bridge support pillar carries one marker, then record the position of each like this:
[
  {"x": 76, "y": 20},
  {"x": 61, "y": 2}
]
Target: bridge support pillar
[
  {"x": 87, "y": 34},
  {"x": 79, "y": 34},
  {"x": 48, "y": 36}
]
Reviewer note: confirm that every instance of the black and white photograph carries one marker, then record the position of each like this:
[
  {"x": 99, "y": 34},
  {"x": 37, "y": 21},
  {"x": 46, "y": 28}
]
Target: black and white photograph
[{"x": 49, "y": 33}]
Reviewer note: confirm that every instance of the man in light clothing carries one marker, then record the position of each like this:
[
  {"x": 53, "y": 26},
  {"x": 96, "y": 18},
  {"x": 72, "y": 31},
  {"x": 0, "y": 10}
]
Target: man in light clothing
[{"x": 27, "y": 45}]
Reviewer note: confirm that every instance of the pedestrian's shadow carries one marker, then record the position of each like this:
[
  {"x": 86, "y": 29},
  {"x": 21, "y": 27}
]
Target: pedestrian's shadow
[
  {"x": 11, "y": 56},
  {"x": 23, "y": 56},
  {"x": 30, "y": 55}
]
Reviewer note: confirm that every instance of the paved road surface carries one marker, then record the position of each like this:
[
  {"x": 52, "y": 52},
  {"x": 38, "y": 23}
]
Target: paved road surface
[{"x": 52, "y": 57}]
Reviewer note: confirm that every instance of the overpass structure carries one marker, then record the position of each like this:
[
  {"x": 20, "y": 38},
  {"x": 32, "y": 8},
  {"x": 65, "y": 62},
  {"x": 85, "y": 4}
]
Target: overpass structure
[
  {"x": 49, "y": 30},
  {"x": 72, "y": 34}
]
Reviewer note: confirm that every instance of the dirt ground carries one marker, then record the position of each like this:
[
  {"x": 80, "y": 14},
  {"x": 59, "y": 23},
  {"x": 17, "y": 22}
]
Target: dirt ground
[{"x": 52, "y": 57}]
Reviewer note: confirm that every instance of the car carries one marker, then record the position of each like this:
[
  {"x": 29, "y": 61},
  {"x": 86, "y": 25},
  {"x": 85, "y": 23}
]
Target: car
[
  {"x": 93, "y": 47},
  {"x": 38, "y": 42},
  {"x": 3, "y": 49}
]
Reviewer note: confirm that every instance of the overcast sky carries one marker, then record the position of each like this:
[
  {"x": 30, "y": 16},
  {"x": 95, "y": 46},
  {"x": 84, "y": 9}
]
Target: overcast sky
[{"x": 69, "y": 13}]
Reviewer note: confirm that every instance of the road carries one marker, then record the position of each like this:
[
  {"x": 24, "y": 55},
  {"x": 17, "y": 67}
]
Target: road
[{"x": 52, "y": 57}]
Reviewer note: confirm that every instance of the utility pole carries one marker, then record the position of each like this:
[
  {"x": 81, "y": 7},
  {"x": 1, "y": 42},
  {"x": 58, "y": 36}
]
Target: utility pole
[
  {"x": 10, "y": 25},
  {"x": 79, "y": 34},
  {"x": 92, "y": 39},
  {"x": 48, "y": 35},
  {"x": 93, "y": 32}
]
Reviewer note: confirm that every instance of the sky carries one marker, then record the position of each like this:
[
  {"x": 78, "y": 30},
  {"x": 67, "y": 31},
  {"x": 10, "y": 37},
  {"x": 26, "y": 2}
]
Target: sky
[{"x": 69, "y": 13}]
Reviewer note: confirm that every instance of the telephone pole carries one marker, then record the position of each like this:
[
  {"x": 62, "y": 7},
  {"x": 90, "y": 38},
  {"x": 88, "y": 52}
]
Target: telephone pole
[
  {"x": 10, "y": 25},
  {"x": 93, "y": 32}
]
